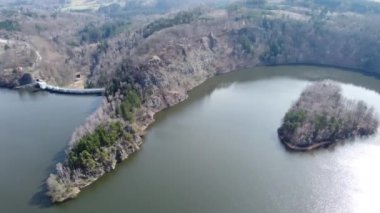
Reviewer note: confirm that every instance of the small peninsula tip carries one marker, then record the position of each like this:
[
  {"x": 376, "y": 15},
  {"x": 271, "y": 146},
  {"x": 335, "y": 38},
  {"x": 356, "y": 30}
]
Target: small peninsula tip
[{"x": 322, "y": 116}]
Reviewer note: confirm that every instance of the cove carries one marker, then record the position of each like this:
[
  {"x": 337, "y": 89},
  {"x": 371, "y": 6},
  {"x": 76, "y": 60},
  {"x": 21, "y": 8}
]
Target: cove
[{"x": 216, "y": 152}]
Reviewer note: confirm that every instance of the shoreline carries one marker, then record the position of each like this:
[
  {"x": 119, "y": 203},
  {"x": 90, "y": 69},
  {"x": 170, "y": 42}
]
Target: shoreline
[
  {"x": 296, "y": 148},
  {"x": 146, "y": 125},
  {"x": 322, "y": 116}
]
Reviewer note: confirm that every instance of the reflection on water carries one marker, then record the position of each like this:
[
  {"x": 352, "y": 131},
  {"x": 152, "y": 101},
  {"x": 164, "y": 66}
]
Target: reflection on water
[
  {"x": 363, "y": 175},
  {"x": 363, "y": 178}
]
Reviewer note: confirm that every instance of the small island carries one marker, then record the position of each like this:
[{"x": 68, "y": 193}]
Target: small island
[{"x": 322, "y": 116}]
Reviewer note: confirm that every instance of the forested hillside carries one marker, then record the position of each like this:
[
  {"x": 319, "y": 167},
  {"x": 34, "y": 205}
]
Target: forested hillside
[
  {"x": 151, "y": 67},
  {"x": 148, "y": 54}
]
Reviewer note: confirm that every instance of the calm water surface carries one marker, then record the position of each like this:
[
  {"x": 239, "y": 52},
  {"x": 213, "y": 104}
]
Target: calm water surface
[{"x": 216, "y": 152}]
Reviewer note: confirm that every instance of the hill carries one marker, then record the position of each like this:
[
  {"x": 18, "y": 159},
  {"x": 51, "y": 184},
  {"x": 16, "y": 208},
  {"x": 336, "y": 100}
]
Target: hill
[
  {"x": 149, "y": 61},
  {"x": 154, "y": 66}
]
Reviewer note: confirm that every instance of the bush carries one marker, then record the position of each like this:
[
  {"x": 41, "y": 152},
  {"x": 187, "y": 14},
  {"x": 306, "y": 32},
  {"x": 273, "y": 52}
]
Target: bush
[
  {"x": 181, "y": 18},
  {"x": 9, "y": 25},
  {"x": 293, "y": 119},
  {"x": 92, "y": 33},
  {"x": 245, "y": 43},
  {"x": 87, "y": 152},
  {"x": 130, "y": 102}
]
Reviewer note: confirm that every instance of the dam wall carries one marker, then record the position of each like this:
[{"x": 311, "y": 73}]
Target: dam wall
[{"x": 68, "y": 91}]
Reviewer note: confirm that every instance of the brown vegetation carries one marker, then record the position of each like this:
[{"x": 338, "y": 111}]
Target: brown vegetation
[
  {"x": 178, "y": 56},
  {"x": 150, "y": 62}
]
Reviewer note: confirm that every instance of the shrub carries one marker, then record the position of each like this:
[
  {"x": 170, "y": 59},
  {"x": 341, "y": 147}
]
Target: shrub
[
  {"x": 89, "y": 149},
  {"x": 9, "y": 25},
  {"x": 92, "y": 33},
  {"x": 181, "y": 18},
  {"x": 294, "y": 118},
  {"x": 130, "y": 102},
  {"x": 245, "y": 44}
]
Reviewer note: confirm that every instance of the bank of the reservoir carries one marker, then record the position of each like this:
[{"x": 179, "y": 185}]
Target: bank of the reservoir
[
  {"x": 205, "y": 154},
  {"x": 34, "y": 131},
  {"x": 64, "y": 184}
]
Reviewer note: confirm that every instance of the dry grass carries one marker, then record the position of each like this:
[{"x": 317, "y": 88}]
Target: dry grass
[
  {"x": 89, "y": 4},
  {"x": 78, "y": 84}
]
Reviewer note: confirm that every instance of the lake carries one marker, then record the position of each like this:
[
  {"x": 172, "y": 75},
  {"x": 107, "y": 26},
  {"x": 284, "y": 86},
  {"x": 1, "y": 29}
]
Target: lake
[{"x": 216, "y": 152}]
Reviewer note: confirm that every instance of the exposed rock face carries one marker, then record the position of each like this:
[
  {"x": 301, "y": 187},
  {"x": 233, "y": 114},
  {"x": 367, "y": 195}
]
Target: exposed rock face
[{"x": 322, "y": 116}]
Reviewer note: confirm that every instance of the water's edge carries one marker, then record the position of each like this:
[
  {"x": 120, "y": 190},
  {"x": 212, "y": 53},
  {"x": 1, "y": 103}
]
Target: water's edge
[{"x": 147, "y": 125}]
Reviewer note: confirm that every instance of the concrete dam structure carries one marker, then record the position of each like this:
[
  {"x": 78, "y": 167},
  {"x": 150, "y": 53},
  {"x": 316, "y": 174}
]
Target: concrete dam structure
[{"x": 42, "y": 85}]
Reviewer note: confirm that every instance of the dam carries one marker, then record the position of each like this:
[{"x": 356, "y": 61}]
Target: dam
[{"x": 42, "y": 85}]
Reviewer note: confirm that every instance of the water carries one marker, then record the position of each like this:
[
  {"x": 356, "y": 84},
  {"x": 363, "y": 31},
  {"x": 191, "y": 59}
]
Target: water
[
  {"x": 216, "y": 152},
  {"x": 34, "y": 132}
]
